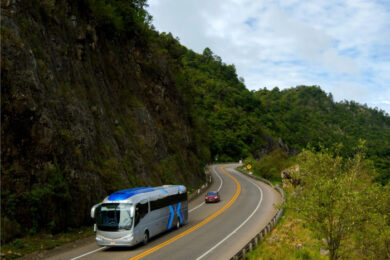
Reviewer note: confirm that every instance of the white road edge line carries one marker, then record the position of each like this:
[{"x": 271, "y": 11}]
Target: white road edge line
[
  {"x": 219, "y": 188},
  {"x": 200, "y": 205},
  {"x": 91, "y": 252},
  {"x": 243, "y": 223}
]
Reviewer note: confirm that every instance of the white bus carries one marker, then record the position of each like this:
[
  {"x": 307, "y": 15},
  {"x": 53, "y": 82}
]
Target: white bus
[{"x": 132, "y": 216}]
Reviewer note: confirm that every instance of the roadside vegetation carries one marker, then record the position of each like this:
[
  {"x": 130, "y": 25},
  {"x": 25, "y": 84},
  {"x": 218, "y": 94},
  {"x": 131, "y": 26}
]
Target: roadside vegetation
[
  {"x": 270, "y": 165},
  {"x": 291, "y": 239},
  {"x": 41, "y": 242},
  {"x": 334, "y": 209}
]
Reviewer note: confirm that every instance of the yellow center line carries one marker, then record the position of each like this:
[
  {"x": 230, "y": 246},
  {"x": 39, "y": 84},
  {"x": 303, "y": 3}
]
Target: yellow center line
[{"x": 186, "y": 232}]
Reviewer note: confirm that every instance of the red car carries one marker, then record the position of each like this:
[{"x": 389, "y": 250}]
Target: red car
[{"x": 212, "y": 196}]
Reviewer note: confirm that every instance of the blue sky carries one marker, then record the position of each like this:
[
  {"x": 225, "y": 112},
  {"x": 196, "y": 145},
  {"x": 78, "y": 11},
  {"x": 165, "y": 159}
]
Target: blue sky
[{"x": 342, "y": 46}]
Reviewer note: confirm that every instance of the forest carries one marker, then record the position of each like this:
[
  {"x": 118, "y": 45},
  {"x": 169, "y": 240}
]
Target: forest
[{"x": 243, "y": 123}]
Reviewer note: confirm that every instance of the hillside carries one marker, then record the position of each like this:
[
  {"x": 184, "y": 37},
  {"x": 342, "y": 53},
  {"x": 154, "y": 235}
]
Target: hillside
[
  {"x": 87, "y": 108},
  {"x": 95, "y": 100},
  {"x": 244, "y": 123},
  {"x": 308, "y": 115}
]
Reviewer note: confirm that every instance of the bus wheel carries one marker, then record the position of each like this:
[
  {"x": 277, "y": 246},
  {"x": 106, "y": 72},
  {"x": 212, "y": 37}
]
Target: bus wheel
[
  {"x": 146, "y": 237},
  {"x": 178, "y": 224}
]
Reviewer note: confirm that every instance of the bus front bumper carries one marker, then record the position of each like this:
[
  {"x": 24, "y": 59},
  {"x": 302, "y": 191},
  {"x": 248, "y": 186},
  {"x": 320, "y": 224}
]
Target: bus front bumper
[{"x": 123, "y": 241}]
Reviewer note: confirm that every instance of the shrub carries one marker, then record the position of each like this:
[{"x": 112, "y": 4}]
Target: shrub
[
  {"x": 9, "y": 229},
  {"x": 271, "y": 165}
]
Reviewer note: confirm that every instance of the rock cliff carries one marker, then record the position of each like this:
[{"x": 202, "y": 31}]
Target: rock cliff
[{"x": 84, "y": 112}]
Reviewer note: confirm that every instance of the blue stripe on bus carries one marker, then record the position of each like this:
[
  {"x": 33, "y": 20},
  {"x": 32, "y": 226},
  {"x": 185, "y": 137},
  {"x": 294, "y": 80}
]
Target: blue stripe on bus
[
  {"x": 171, "y": 215},
  {"x": 125, "y": 194},
  {"x": 179, "y": 214}
]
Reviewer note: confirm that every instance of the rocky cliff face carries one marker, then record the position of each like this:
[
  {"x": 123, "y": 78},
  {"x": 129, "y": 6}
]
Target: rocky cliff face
[{"x": 84, "y": 113}]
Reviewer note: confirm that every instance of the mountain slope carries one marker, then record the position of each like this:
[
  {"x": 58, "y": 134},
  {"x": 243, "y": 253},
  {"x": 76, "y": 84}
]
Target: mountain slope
[{"x": 86, "y": 109}]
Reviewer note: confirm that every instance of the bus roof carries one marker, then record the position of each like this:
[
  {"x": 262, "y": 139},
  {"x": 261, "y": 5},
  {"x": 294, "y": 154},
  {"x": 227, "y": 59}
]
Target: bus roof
[
  {"x": 125, "y": 194},
  {"x": 144, "y": 192}
]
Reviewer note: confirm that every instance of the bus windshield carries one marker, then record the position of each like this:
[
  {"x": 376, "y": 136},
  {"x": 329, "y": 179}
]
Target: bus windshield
[{"x": 114, "y": 216}]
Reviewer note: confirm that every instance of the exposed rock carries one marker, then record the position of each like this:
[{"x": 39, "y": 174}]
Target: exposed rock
[
  {"x": 272, "y": 144},
  {"x": 82, "y": 116},
  {"x": 324, "y": 251},
  {"x": 74, "y": 20},
  {"x": 290, "y": 176},
  {"x": 5, "y": 3}
]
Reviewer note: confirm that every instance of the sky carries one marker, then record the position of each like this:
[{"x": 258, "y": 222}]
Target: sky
[{"x": 342, "y": 46}]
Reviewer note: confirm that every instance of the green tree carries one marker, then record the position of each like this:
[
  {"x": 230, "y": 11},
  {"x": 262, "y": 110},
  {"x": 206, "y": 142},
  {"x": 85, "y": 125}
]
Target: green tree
[
  {"x": 330, "y": 198},
  {"x": 374, "y": 237},
  {"x": 207, "y": 54}
]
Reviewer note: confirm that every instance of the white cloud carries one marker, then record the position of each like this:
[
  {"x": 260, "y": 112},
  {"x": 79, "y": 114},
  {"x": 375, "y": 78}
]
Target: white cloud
[{"x": 343, "y": 46}]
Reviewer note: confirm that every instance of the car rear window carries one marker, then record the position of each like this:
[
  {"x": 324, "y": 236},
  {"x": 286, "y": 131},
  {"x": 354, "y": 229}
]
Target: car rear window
[{"x": 211, "y": 193}]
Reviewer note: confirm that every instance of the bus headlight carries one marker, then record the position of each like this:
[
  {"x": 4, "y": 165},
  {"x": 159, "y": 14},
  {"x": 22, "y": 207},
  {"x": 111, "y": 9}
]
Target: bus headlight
[
  {"x": 128, "y": 238},
  {"x": 99, "y": 238}
]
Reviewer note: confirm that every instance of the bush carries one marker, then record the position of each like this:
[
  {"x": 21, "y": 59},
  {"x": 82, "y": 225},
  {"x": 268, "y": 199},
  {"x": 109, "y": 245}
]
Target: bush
[
  {"x": 271, "y": 165},
  {"x": 50, "y": 201},
  {"x": 106, "y": 14},
  {"x": 116, "y": 16},
  {"x": 9, "y": 229}
]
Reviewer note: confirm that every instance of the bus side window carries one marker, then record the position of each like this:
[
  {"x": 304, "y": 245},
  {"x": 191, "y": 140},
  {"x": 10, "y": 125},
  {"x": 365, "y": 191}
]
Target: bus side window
[
  {"x": 141, "y": 209},
  {"x": 136, "y": 218}
]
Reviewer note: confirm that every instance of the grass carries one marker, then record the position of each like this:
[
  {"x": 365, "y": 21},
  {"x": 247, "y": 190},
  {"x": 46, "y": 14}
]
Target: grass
[
  {"x": 42, "y": 241},
  {"x": 289, "y": 240}
]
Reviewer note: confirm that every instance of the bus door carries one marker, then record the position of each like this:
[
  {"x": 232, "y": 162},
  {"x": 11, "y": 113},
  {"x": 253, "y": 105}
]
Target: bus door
[{"x": 141, "y": 210}]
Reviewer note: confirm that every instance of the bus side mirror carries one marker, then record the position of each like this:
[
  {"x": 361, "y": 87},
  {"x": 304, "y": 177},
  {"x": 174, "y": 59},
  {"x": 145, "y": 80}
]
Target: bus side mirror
[
  {"x": 132, "y": 212},
  {"x": 93, "y": 209}
]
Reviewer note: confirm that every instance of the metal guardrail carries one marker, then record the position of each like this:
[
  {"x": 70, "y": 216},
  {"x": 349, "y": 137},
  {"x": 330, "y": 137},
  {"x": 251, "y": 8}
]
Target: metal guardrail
[{"x": 254, "y": 242}]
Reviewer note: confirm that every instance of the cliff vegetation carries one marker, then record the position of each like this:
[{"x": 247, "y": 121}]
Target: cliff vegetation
[{"x": 90, "y": 105}]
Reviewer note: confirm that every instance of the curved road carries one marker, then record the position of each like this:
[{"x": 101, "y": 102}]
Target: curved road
[{"x": 214, "y": 231}]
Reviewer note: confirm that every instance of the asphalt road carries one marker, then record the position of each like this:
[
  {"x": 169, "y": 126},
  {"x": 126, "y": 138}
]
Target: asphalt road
[{"x": 214, "y": 231}]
